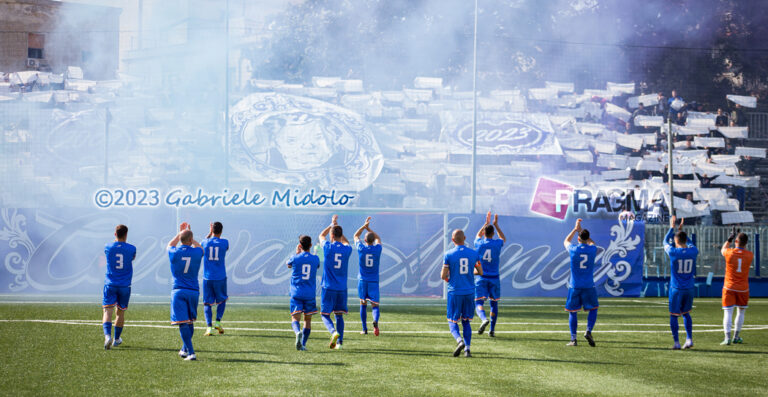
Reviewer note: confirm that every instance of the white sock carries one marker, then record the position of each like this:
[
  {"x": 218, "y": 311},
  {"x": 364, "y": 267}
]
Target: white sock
[
  {"x": 739, "y": 320},
  {"x": 727, "y": 320}
]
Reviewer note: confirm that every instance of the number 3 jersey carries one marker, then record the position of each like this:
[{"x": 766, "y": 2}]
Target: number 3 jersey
[
  {"x": 369, "y": 257},
  {"x": 214, "y": 250},
  {"x": 461, "y": 262},
  {"x": 120, "y": 258},
  {"x": 682, "y": 262},
  {"x": 335, "y": 265},
  {"x": 582, "y": 265},
  {"x": 185, "y": 266},
  {"x": 303, "y": 275}
]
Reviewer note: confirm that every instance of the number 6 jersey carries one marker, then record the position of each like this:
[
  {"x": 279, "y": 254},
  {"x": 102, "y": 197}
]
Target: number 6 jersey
[{"x": 369, "y": 257}]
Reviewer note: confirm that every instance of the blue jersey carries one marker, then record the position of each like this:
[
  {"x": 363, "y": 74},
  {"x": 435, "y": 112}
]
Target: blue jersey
[
  {"x": 582, "y": 265},
  {"x": 335, "y": 265},
  {"x": 461, "y": 261},
  {"x": 489, "y": 250},
  {"x": 303, "y": 275},
  {"x": 369, "y": 257},
  {"x": 214, "y": 249},
  {"x": 120, "y": 258},
  {"x": 682, "y": 262},
  {"x": 185, "y": 266}
]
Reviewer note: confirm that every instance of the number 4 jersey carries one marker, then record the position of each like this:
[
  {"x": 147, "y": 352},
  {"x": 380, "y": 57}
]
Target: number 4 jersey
[
  {"x": 369, "y": 257},
  {"x": 461, "y": 262},
  {"x": 303, "y": 275},
  {"x": 185, "y": 266},
  {"x": 215, "y": 249}
]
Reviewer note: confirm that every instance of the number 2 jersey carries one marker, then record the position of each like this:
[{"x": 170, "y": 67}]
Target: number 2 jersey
[
  {"x": 369, "y": 257},
  {"x": 737, "y": 264},
  {"x": 185, "y": 266},
  {"x": 461, "y": 261},
  {"x": 582, "y": 265},
  {"x": 214, "y": 249},
  {"x": 682, "y": 262},
  {"x": 120, "y": 258},
  {"x": 303, "y": 275}
]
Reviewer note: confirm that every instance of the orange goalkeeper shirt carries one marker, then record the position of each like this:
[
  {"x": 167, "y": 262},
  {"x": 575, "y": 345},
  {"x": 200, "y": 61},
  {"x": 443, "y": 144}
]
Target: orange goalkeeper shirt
[{"x": 737, "y": 263}]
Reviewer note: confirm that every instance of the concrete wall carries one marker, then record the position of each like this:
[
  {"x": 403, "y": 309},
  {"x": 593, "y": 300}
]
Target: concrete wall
[{"x": 70, "y": 30}]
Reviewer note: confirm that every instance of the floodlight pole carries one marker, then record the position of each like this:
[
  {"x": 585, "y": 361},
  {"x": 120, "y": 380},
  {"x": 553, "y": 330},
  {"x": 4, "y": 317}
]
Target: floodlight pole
[
  {"x": 474, "y": 116},
  {"x": 671, "y": 204},
  {"x": 226, "y": 95}
]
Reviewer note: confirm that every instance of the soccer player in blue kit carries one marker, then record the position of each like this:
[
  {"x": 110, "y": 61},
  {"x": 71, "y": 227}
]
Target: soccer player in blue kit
[
  {"x": 185, "y": 267},
  {"x": 488, "y": 285},
  {"x": 369, "y": 257},
  {"x": 303, "y": 267},
  {"x": 457, "y": 263},
  {"x": 682, "y": 260},
  {"x": 334, "y": 293},
  {"x": 214, "y": 277},
  {"x": 581, "y": 291},
  {"x": 117, "y": 284}
]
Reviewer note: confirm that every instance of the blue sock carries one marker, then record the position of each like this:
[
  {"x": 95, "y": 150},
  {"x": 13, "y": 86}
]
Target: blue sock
[
  {"x": 480, "y": 310},
  {"x": 467, "y": 333},
  {"x": 494, "y": 314},
  {"x": 295, "y": 326},
  {"x": 220, "y": 310},
  {"x": 306, "y": 332},
  {"x": 208, "y": 310},
  {"x": 191, "y": 332},
  {"x": 573, "y": 323},
  {"x": 364, "y": 316},
  {"x": 107, "y": 329},
  {"x": 454, "y": 327},
  {"x": 591, "y": 320},
  {"x": 376, "y": 314},
  {"x": 182, "y": 332},
  {"x": 688, "y": 322},
  {"x": 186, "y": 331},
  {"x": 340, "y": 327},
  {"x": 675, "y": 327},
  {"x": 118, "y": 331},
  {"x": 328, "y": 323}
]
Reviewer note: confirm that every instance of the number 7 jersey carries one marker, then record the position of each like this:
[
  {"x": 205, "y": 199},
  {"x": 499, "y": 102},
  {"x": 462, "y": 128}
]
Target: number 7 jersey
[{"x": 185, "y": 266}]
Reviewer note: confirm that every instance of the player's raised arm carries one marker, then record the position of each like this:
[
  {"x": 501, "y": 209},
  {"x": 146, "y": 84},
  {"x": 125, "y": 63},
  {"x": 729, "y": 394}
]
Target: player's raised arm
[
  {"x": 498, "y": 230},
  {"x": 445, "y": 274},
  {"x": 481, "y": 232},
  {"x": 324, "y": 233},
  {"x": 669, "y": 238},
  {"x": 175, "y": 241},
  {"x": 360, "y": 230},
  {"x": 478, "y": 269},
  {"x": 569, "y": 238},
  {"x": 728, "y": 242},
  {"x": 210, "y": 232}
]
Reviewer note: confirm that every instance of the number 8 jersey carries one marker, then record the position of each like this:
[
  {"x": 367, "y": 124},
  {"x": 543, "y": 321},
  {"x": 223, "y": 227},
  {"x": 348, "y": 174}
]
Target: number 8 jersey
[
  {"x": 682, "y": 262},
  {"x": 582, "y": 265},
  {"x": 461, "y": 262},
  {"x": 303, "y": 275}
]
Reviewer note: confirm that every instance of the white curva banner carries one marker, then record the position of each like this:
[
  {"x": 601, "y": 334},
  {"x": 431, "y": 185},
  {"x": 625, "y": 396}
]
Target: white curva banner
[
  {"x": 746, "y": 101},
  {"x": 500, "y": 133}
]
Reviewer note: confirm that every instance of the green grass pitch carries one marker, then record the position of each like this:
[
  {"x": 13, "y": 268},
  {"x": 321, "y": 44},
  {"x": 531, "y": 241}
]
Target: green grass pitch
[{"x": 57, "y": 348}]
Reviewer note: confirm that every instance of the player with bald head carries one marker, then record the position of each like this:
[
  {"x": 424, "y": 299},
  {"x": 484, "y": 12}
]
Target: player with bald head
[
  {"x": 185, "y": 267},
  {"x": 457, "y": 263}
]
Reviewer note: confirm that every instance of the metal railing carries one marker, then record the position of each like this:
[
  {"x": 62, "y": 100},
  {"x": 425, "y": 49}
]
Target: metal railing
[
  {"x": 709, "y": 240},
  {"x": 758, "y": 125}
]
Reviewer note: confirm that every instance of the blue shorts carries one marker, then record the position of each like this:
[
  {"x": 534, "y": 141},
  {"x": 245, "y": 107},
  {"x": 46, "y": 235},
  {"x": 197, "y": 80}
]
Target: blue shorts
[
  {"x": 680, "y": 301},
  {"x": 306, "y": 306},
  {"x": 368, "y": 290},
  {"x": 581, "y": 297},
  {"x": 214, "y": 292},
  {"x": 116, "y": 296},
  {"x": 333, "y": 301},
  {"x": 460, "y": 307},
  {"x": 487, "y": 288},
  {"x": 184, "y": 306}
]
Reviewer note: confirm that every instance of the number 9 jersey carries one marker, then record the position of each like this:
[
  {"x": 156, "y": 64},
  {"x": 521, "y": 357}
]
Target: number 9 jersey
[
  {"x": 461, "y": 262},
  {"x": 303, "y": 275}
]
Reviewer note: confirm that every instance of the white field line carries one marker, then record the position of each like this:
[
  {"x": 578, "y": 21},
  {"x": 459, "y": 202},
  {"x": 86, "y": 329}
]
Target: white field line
[
  {"x": 441, "y": 304},
  {"x": 597, "y": 331},
  {"x": 381, "y": 322}
]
